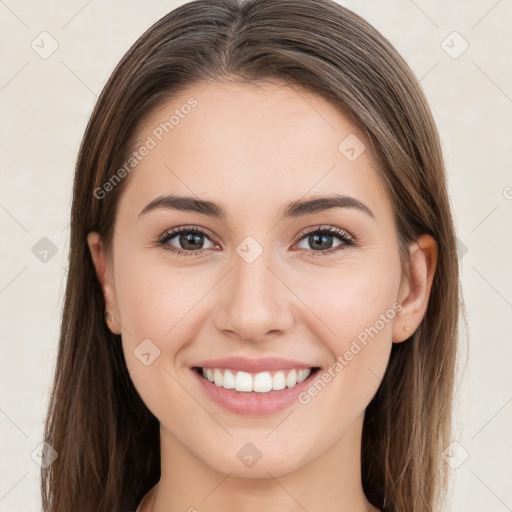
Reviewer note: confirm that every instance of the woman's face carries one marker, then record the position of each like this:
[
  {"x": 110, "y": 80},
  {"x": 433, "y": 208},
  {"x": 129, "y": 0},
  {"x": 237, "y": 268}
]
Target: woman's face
[{"x": 261, "y": 286}]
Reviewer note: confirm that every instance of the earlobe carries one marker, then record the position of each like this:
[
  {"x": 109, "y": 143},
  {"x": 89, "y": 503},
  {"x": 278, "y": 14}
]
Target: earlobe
[
  {"x": 100, "y": 263},
  {"x": 416, "y": 287}
]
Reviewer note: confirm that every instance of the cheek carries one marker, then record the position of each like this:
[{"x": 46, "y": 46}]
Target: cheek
[
  {"x": 355, "y": 313},
  {"x": 350, "y": 300},
  {"x": 162, "y": 311},
  {"x": 158, "y": 301},
  {"x": 153, "y": 303}
]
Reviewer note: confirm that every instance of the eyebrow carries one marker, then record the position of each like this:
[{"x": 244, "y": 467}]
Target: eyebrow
[{"x": 294, "y": 209}]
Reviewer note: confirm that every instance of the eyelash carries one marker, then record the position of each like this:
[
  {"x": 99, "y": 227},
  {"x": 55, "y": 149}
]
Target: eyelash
[{"x": 348, "y": 241}]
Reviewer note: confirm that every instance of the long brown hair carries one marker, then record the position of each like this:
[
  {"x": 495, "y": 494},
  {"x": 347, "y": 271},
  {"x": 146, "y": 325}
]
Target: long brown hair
[{"x": 106, "y": 439}]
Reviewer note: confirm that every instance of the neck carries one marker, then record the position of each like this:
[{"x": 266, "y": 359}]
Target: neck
[{"x": 328, "y": 483}]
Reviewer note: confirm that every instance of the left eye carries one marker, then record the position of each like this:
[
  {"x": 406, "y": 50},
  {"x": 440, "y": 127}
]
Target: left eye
[{"x": 320, "y": 238}]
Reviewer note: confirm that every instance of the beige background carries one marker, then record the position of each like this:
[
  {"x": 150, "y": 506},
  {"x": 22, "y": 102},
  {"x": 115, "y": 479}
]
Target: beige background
[{"x": 45, "y": 104}]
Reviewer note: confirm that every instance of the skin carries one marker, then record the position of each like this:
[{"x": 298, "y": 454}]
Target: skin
[{"x": 253, "y": 149}]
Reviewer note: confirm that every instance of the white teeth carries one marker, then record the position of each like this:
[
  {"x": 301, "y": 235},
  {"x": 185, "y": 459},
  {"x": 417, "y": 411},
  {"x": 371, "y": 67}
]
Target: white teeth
[
  {"x": 218, "y": 377},
  {"x": 229, "y": 380},
  {"x": 243, "y": 381},
  {"x": 303, "y": 375},
  {"x": 291, "y": 379},
  {"x": 278, "y": 381},
  {"x": 262, "y": 382}
]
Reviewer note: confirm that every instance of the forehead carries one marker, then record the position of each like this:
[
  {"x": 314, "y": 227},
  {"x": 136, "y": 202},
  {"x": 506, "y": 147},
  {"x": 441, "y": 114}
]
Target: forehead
[{"x": 252, "y": 148}]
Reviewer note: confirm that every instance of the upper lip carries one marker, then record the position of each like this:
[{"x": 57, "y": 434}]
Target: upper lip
[{"x": 254, "y": 365}]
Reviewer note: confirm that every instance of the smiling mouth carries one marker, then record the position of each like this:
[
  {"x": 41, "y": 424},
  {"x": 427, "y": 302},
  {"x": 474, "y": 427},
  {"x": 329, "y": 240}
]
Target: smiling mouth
[{"x": 261, "y": 382}]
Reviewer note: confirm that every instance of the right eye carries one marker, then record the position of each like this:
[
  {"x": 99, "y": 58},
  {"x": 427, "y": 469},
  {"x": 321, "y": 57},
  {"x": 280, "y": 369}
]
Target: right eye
[{"x": 188, "y": 237}]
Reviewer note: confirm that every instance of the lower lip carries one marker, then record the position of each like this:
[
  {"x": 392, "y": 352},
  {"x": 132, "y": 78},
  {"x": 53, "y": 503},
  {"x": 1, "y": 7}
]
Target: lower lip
[{"x": 253, "y": 404}]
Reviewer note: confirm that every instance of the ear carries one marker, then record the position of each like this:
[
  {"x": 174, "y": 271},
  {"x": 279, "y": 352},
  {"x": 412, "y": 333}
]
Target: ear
[
  {"x": 415, "y": 290},
  {"x": 103, "y": 272}
]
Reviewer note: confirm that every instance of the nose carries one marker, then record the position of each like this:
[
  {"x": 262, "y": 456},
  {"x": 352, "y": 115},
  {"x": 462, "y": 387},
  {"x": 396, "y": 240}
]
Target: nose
[{"x": 254, "y": 301}]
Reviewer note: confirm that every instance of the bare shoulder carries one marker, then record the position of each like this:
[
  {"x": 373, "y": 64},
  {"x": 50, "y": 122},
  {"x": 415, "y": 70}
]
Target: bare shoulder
[{"x": 145, "y": 504}]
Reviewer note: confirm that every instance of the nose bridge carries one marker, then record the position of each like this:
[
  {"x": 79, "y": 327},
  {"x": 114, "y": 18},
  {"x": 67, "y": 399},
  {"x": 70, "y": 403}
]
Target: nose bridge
[
  {"x": 254, "y": 301},
  {"x": 252, "y": 280}
]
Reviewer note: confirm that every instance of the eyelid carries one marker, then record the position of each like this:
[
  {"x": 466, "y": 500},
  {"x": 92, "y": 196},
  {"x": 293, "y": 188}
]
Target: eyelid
[
  {"x": 328, "y": 228},
  {"x": 186, "y": 228}
]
